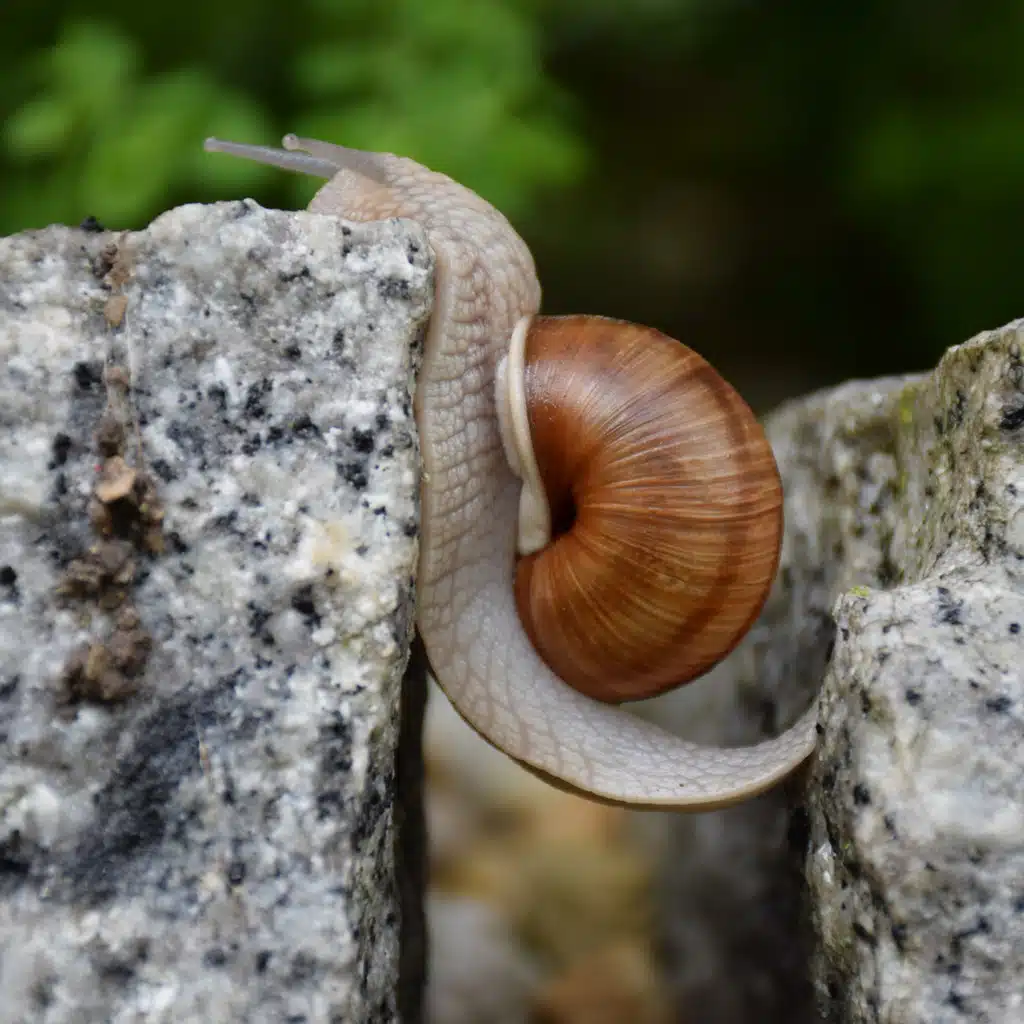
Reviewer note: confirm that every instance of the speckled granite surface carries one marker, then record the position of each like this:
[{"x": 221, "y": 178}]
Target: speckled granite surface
[
  {"x": 902, "y": 586},
  {"x": 916, "y": 856},
  {"x": 208, "y": 487}
]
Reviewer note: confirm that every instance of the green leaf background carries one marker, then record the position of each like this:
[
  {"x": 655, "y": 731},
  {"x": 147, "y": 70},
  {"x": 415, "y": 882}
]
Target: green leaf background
[{"x": 802, "y": 191}]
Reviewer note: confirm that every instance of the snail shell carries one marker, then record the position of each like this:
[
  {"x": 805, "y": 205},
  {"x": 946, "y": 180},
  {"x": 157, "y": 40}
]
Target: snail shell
[{"x": 664, "y": 505}]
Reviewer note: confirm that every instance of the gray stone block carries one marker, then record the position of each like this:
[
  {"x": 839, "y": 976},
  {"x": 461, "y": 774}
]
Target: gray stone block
[
  {"x": 208, "y": 517},
  {"x": 916, "y": 863},
  {"x": 902, "y": 587}
]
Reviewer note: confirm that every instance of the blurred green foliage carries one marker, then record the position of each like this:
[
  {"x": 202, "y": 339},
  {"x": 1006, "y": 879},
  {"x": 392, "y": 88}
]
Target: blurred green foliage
[
  {"x": 803, "y": 191},
  {"x": 109, "y": 113}
]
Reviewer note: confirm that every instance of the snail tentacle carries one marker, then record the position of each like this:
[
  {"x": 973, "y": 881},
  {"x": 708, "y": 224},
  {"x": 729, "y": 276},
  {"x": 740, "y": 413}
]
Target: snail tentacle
[{"x": 301, "y": 163}]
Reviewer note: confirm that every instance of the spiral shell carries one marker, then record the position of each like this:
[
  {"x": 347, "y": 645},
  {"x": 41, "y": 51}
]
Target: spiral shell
[{"x": 665, "y": 504}]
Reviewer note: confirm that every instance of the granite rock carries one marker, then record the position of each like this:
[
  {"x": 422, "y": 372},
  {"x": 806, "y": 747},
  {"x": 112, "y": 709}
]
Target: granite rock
[
  {"x": 900, "y": 587},
  {"x": 916, "y": 863},
  {"x": 208, "y": 518}
]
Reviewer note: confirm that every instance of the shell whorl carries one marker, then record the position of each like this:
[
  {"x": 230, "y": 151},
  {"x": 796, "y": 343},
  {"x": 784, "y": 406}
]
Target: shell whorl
[{"x": 665, "y": 503}]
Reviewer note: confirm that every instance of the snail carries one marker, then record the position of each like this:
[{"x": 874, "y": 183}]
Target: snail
[{"x": 570, "y": 450}]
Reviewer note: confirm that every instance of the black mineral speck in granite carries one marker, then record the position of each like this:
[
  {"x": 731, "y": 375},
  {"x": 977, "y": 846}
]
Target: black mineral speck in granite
[
  {"x": 861, "y": 795},
  {"x": 189, "y": 437},
  {"x": 163, "y": 469},
  {"x": 393, "y": 288},
  {"x": 354, "y": 474},
  {"x": 1013, "y": 417},
  {"x": 175, "y": 542},
  {"x": 258, "y": 619},
  {"x": 999, "y": 705},
  {"x": 10, "y": 593},
  {"x": 956, "y": 1000},
  {"x": 378, "y": 799},
  {"x": 215, "y": 957},
  {"x": 950, "y": 610},
  {"x": 303, "y": 426},
  {"x": 17, "y": 856},
  {"x": 227, "y": 522},
  {"x": 59, "y": 449},
  {"x": 88, "y": 375},
  {"x": 363, "y": 441},
  {"x": 955, "y": 415},
  {"x": 255, "y": 399},
  {"x": 290, "y": 276},
  {"x": 305, "y": 605},
  {"x": 218, "y": 394},
  {"x": 303, "y": 968},
  {"x": 336, "y": 742}
]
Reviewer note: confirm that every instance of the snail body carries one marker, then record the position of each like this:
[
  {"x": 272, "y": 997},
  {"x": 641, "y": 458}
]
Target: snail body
[{"x": 498, "y": 482}]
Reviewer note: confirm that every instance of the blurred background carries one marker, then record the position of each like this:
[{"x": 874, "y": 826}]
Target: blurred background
[{"x": 803, "y": 192}]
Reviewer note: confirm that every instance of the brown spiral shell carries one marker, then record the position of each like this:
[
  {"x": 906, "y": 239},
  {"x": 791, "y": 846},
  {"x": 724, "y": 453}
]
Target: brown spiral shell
[{"x": 666, "y": 508}]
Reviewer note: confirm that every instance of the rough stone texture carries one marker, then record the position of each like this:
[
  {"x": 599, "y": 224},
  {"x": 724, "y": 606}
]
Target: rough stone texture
[
  {"x": 904, "y": 517},
  {"x": 208, "y": 486},
  {"x": 736, "y": 944},
  {"x": 916, "y": 862}
]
